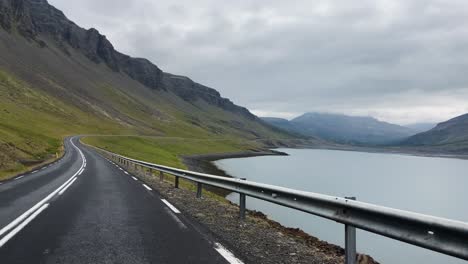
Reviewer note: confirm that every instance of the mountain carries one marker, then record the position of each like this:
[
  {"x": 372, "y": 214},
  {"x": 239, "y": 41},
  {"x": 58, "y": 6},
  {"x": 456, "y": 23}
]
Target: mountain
[
  {"x": 421, "y": 127},
  {"x": 58, "y": 79},
  {"x": 451, "y": 135},
  {"x": 343, "y": 128}
]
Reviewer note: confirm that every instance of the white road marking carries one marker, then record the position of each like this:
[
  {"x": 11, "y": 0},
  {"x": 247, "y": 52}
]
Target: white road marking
[
  {"x": 17, "y": 178},
  {"x": 82, "y": 170},
  {"x": 66, "y": 187},
  {"x": 227, "y": 254},
  {"x": 31, "y": 211},
  {"x": 175, "y": 210},
  {"x": 147, "y": 187},
  {"x": 173, "y": 216},
  {"x": 15, "y": 231},
  {"x": 135, "y": 178},
  {"x": 126, "y": 172},
  {"x": 34, "y": 171}
]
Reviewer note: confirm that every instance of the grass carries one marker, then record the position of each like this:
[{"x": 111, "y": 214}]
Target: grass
[
  {"x": 168, "y": 151},
  {"x": 33, "y": 125},
  {"x": 34, "y": 121}
]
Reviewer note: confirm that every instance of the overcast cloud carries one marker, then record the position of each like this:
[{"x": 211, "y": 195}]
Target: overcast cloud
[{"x": 398, "y": 60}]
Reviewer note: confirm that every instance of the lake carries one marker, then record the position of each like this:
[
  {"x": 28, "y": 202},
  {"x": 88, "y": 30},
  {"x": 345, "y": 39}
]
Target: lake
[{"x": 434, "y": 186}]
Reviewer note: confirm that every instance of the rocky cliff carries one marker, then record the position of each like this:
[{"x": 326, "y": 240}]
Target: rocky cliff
[{"x": 40, "y": 22}]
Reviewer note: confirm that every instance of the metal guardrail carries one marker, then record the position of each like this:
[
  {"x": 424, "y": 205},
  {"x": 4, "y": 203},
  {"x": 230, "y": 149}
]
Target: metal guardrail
[{"x": 438, "y": 234}]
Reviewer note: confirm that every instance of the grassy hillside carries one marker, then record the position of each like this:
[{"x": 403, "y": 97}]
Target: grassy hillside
[
  {"x": 57, "y": 79},
  {"x": 33, "y": 125}
]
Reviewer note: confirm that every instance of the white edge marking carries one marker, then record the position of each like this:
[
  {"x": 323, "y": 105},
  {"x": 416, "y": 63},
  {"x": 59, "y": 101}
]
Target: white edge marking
[
  {"x": 34, "y": 171},
  {"x": 17, "y": 178},
  {"x": 66, "y": 187},
  {"x": 173, "y": 216},
  {"x": 42, "y": 202},
  {"x": 82, "y": 170},
  {"x": 227, "y": 254},
  {"x": 15, "y": 231},
  {"x": 135, "y": 178},
  {"x": 126, "y": 172},
  {"x": 147, "y": 187},
  {"x": 175, "y": 210}
]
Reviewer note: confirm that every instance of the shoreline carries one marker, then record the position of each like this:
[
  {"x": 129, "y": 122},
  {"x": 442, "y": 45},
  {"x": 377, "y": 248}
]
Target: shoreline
[{"x": 205, "y": 164}]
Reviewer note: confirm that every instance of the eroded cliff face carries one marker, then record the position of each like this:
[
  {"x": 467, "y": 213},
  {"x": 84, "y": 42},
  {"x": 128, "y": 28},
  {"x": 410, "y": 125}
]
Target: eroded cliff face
[{"x": 40, "y": 22}]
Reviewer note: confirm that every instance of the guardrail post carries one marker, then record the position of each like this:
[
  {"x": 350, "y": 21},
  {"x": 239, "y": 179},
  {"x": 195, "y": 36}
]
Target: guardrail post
[
  {"x": 350, "y": 241},
  {"x": 242, "y": 201},
  {"x": 176, "y": 183},
  {"x": 161, "y": 176},
  {"x": 199, "y": 189},
  {"x": 150, "y": 172},
  {"x": 242, "y": 206}
]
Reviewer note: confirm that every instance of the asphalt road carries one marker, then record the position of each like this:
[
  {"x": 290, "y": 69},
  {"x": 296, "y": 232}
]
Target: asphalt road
[{"x": 85, "y": 209}]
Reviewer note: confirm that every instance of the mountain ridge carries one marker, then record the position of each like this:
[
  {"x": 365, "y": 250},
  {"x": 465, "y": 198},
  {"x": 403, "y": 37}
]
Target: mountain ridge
[
  {"x": 452, "y": 134},
  {"x": 343, "y": 128},
  {"x": 33, "y": 18},
  {"x": 55, "y": 81}
]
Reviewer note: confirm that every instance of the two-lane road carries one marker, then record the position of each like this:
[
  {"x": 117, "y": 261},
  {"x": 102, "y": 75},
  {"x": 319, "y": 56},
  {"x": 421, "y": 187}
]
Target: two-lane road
[{"x": 85, "y": 209}]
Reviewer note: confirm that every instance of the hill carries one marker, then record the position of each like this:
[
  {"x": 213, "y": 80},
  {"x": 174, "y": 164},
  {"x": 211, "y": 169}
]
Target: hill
[
  {"x": 344, "y": 129},
  {"x": 451, "y": 135},
  {"x": 58, "y": 79}
]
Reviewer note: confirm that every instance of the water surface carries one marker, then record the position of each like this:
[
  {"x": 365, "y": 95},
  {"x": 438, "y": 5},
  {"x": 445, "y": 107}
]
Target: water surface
[{"x": 435, "y": 186}]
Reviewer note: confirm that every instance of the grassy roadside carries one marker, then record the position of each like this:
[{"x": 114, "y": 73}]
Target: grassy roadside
[{"x": 168, "y": 151}]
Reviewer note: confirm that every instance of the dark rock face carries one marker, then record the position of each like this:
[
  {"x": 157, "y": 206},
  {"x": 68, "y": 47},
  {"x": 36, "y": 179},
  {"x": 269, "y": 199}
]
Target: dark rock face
[{"x": 34, "y": 19}]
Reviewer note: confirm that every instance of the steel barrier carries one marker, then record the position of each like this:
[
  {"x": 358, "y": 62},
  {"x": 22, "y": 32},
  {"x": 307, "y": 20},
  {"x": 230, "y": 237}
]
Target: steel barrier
[{"x": 438, "y": 234}]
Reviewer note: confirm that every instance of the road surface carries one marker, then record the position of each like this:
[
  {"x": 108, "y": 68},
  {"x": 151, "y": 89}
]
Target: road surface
[{"x": 85, "y": 209}]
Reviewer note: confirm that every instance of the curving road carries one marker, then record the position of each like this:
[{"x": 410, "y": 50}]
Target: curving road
[{"x": 85, "y": 209}]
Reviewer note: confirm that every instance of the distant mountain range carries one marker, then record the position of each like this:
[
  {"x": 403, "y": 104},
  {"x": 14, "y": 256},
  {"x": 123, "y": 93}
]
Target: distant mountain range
[
  {"x": 347, "y": 129},
  {"x": 451, "y": 135}
]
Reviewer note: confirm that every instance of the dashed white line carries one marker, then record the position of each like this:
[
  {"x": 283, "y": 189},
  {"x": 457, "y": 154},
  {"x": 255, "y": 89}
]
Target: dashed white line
[
  {"x": 126, "y": 172},
  {"x": 175, "y": 210},
  {"x": 227, "y": 254},
  {"x": 147, "y": 187},
  {"x": 135, "y": 178},
  {"x": 22, "y": 225},
  {"x": 17, "y": 178},
  {"x": 37, "y": 207},
  {"x": 66, "y": 187},
  {"x": 34, "y": 171}
]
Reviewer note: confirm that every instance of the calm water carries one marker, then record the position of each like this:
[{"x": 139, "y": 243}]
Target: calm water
[{"x": 435, "y": 186}]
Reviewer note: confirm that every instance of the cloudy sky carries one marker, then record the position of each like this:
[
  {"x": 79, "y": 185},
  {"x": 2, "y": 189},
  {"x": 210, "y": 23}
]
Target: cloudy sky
[{"x": 402, "y": 61}]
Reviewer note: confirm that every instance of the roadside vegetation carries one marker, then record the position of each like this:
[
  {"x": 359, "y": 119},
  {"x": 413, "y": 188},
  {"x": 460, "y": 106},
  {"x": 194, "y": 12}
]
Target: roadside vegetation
[
  {"x": 34, "y": 123},
  {"x": 168, "y": 150}
]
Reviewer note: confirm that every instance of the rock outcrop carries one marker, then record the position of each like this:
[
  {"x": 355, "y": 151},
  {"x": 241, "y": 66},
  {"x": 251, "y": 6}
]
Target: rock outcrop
[{"x": 38, "y": 21}]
